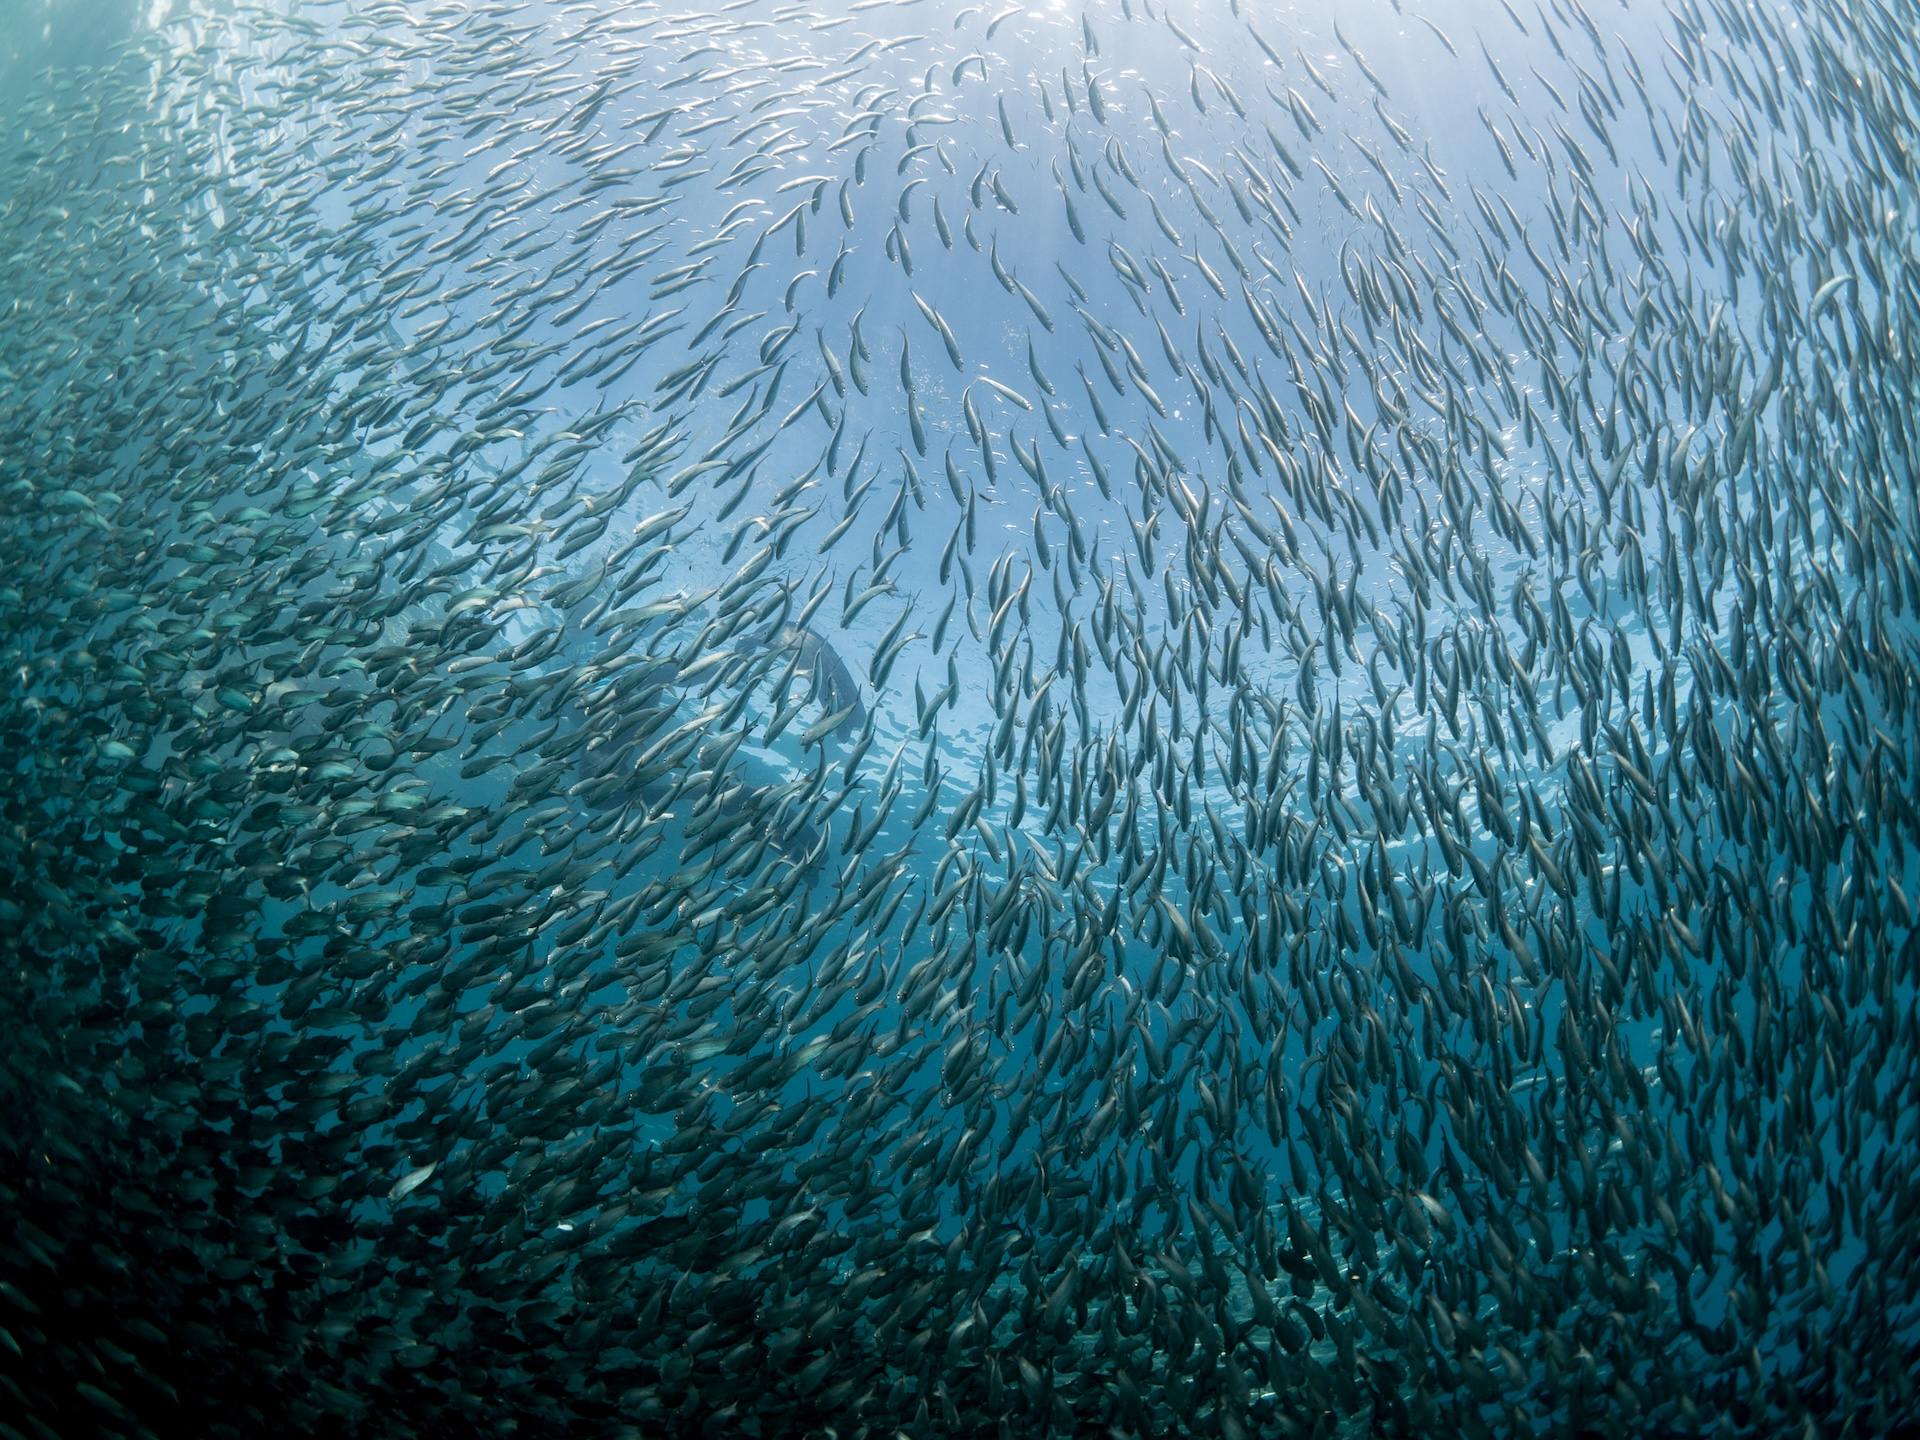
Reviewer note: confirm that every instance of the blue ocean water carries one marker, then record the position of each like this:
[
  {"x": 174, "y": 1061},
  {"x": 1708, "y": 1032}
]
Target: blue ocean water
[{"x": 941, "y": 719}]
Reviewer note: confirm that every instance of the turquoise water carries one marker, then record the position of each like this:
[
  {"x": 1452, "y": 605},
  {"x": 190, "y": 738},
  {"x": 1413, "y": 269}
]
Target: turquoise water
[{"x": 939, "y": 720}]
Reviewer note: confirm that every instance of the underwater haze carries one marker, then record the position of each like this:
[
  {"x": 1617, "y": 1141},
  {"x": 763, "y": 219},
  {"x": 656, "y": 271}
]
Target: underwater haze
[{"x": 1130, "y": 718}]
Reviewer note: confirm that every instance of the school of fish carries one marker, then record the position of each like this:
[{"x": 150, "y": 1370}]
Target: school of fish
[{"x": 1134, "y": 718}]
